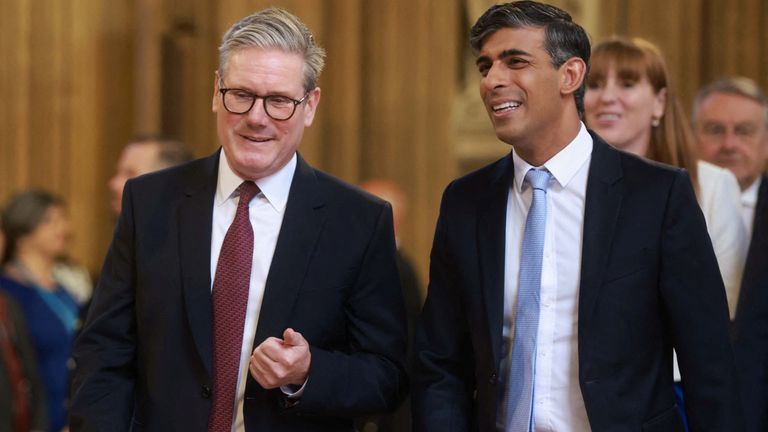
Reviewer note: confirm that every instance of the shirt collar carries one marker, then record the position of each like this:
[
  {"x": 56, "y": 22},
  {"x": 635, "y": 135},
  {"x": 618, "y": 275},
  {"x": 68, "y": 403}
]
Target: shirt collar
[
  {"x": 564, "y": 165},
  {"x": 274, "y": 188},
  {"x": 749, "y": 195}
]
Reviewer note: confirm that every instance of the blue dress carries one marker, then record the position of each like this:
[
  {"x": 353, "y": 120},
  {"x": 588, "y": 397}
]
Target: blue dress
[{"x": 51, "y": 319}]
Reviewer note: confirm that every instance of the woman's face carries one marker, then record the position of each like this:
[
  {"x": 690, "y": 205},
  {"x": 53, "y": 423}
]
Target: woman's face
[
  {"x": 51, "y": 234},
  {"x": 621, "y": 110}
]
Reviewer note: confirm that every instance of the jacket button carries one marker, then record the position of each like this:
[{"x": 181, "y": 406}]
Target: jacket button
[
  {"x": 492, "y": 379},
  {"x": 205, "y": 391}
]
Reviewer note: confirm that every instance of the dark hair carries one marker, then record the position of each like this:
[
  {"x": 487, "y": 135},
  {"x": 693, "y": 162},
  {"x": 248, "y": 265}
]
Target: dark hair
[
  {"x": 22, "y": 215},
  {"x": 563, "y": 40},
  {"x": 170, "y": 151}
]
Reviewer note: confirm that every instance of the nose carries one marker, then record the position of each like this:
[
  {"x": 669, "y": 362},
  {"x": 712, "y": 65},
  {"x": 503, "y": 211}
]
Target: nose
[
  {"x": 607, "y": 92},
  {"x": 495, "y": 78},
  {"x": 730, "y": 141},
  {"x": 257, "y": 116}
]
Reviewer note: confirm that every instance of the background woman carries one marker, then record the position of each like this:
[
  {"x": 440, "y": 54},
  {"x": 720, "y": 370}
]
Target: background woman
[
  {"x": 36, "y": 229},
  {"x": 630, "y": 103}
]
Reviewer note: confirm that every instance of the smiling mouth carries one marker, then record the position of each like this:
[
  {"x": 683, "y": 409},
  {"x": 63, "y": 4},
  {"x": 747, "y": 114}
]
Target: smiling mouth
[
  {"x": 506, "y": 106},
  {"x": 607, "y": 117},
  {"x": 256, "y": 139}
]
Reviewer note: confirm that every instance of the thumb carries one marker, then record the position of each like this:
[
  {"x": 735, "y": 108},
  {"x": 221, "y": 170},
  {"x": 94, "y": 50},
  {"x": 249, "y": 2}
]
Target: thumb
[{"x": 293, "y": 338}]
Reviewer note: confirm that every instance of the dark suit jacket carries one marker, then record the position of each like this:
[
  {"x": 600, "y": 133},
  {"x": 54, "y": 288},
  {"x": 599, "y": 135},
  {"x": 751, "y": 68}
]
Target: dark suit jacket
[
  {"x": 649, "y": 282},
  {"x": 144, "y": 356},
  {"x": 751, "y": 323}
]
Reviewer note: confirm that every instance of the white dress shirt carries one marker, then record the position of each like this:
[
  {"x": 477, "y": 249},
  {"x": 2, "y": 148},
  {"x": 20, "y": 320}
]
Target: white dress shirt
[
  {"x": 266, "y": 212},
  {"x": 719, "y": 201},
  {"x": 557, "y": 402},
  {"x": 748, "y": 204}
]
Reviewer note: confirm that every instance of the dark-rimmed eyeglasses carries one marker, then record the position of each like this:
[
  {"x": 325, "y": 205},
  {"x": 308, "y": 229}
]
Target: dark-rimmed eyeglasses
[{"x": 278, "y": 107}]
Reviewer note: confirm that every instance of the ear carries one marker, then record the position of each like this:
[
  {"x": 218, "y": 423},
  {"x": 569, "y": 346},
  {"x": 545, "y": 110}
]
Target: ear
[
  {"x": 313, "y": 99},
  {"x": 660, "y": 103},
  {"x": 572, "y": 73},
  {"x": 215, "y": 99}
]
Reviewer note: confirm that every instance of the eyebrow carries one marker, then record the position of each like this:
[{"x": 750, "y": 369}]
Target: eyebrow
[{"x": 504, "y": 54}]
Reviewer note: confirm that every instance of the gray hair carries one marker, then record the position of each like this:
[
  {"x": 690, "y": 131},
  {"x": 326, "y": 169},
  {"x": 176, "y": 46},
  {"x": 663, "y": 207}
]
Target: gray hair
[
  {"x": 274, "y": 28},
  {"x": 739, "y": 86}
]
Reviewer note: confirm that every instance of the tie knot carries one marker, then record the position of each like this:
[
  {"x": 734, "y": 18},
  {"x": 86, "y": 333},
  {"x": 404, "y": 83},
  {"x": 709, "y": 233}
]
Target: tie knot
[
  {"x": 538, "y": 179},
  {"x": 248, "y": 190}
]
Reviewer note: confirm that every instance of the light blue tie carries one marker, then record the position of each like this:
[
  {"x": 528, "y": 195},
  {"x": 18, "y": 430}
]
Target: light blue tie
[{"x": 523, "y": 363}]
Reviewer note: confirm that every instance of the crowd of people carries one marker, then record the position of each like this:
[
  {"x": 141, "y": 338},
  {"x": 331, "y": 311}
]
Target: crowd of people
[{"x": 609, "y": 273}]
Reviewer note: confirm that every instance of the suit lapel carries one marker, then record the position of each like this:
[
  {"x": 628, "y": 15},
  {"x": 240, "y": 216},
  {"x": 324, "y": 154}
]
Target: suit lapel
[
  {"x": 302, "y": 223},
  {"x": 491, "y": 227},
  {"x": 195, "y": 221},
  {"x": 601, "y": 210}
]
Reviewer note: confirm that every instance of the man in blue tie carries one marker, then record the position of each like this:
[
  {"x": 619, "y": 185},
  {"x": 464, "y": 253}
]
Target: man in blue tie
[{"x": 563, "y": 275}]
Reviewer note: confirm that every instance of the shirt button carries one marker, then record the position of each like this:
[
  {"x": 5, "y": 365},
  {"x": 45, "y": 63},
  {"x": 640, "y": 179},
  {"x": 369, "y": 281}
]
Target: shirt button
[{"x": 205, "y": 391}]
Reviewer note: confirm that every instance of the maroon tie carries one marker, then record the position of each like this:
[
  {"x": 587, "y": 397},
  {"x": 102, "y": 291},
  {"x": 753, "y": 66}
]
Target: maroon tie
[{"x": 230, "y": 299}]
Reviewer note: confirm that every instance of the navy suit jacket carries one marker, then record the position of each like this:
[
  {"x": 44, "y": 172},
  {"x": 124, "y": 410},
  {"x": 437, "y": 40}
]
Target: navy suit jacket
[
  {"x": 144, "y": 355},
  {"x": 649, "y": 282},
  {"x": 751, "y": 323}
]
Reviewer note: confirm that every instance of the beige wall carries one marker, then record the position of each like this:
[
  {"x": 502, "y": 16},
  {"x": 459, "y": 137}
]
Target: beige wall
[{"x": 81, "y": 77}]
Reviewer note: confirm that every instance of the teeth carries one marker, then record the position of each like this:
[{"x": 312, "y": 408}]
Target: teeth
[
  {"x": 506, "y": 105},
  {"x": 608, "y": 117}
]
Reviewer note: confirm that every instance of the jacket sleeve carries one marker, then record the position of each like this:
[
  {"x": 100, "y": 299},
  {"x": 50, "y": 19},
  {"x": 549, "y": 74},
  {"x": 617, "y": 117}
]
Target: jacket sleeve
[
  {"x": 369, "y": 377},
  {"x": 443, "y": 377},
  {"x": 105, "y": 350},
  {"x": 694, "y": 298}
]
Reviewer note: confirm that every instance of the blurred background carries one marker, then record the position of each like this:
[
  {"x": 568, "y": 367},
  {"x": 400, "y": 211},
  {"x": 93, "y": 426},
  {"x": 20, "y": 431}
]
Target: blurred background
[{"x": 80, "y": 78}]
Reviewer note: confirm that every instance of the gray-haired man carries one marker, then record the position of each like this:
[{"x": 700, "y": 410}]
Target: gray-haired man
[{"x": 246, "y": 291}]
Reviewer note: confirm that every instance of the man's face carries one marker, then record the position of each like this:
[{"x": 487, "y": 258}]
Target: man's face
[
  {"x": 255, "y": 144},
  {"x": 519, "y": 86},
  {"x": 136, "y": 159},
  {"x": 731, "y": 132}
]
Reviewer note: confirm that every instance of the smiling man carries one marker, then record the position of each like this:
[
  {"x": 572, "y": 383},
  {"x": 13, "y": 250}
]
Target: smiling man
[
  {"x": 246, "y": 291},
  {"x": 563, "y": 275}
]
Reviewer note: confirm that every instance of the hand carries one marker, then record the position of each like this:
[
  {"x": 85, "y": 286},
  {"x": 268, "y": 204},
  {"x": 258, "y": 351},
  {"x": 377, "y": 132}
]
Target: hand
[{"x": 278, "y": 362}]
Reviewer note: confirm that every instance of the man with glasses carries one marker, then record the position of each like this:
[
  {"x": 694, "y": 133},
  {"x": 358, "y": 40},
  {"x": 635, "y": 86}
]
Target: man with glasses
[{"x": 246, "y": 291}]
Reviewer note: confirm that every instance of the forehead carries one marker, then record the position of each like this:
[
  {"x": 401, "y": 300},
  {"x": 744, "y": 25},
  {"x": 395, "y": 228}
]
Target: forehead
[
  {"x": 138, "y": 155},
  {"x": 141, "y": 150},
  {"x": 264, "y": 66},
  {"x": 730, "y": 106},
  {"x": 529, "y": 40}
]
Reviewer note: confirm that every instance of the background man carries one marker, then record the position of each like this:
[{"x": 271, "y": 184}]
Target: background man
[
  {"x": 563, "y": 275},
  {"x": 142, "y": 156},
  {"x": 730, "y": 118},
  {"x": 246, "y": 290},
  {"x": 389, "y": 190}
]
